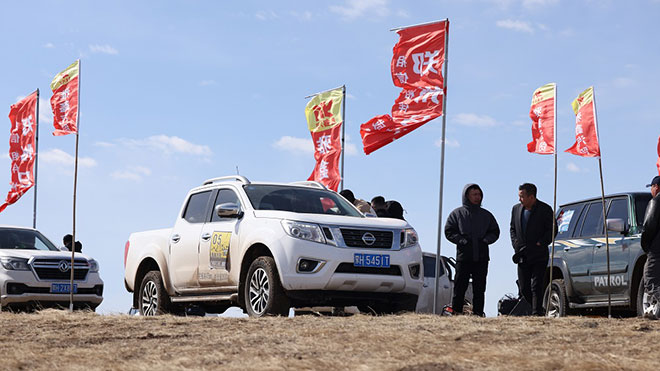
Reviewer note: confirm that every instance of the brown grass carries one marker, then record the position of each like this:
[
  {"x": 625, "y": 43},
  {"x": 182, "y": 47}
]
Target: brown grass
[{"x": 60, "y": 340}]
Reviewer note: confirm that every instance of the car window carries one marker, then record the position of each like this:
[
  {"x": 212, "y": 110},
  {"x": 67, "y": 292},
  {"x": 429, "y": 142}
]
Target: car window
[
  {"x": 196, "y": 208},
  {"x": 224, "y": 196},
  {"x": 593, "y": 221},
  {"x": 566, "y": 220},
  {"x": 298, "y": 200},
  {"x": 618, "y": 209},
  {"x": 23, "y": 239},
  {"x": 641, "y": 202},
  {"x": 429, "y": 267}
]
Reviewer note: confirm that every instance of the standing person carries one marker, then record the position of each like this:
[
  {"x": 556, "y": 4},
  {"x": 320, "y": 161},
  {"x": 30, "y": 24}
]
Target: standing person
[
  {"x": 360, "y": 204},
  {"x": 651, "y": 246},
  {"x": 379, "y": 206},
  {"x": 531, "y": 233},
  {"x": 472, "y": 228},
  {"x": 67, "y": 240}
]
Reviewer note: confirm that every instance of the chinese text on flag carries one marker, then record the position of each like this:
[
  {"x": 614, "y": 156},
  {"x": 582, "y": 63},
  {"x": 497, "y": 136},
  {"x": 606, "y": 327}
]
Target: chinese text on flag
[
  {"x": 417, "y": 66},
  {"x": 22, "y": 144},
  {"x": 586, "y": 130},
  {"x": 542, "y": 114},
  {"x": 65, "y": 100},
  {"x": 323, "y": 114}
]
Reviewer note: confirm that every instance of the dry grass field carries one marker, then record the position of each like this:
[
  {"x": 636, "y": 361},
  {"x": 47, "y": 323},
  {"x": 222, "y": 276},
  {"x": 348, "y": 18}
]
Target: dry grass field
[{"x": 58, "y": 340}]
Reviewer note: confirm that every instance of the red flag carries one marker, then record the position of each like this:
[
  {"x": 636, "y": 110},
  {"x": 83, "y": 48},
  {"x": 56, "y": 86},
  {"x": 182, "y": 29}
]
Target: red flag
[
  {"x": 658, "y": 163},
  {"x": 417, "y": 66},
  {"x": 542, "y": 113},
  {"x": 324, "y": 121},
  {"x": 586, "y": 129},
  {"x": 22, "y": 144},
  {"x": 65, "y": 100}
]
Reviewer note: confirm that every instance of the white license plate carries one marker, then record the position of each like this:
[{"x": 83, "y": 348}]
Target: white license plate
[
  {"x": 63, "y": 288},
  {"x": 371, "y": 260}
]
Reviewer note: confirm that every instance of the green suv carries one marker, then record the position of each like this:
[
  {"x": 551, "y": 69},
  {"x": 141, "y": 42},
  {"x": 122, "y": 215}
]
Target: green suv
[{"x": 579, "y": 269}]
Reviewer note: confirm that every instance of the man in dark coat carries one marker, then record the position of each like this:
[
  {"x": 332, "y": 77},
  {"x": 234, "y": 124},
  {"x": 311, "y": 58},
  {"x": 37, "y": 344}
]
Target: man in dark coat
[
  {"x": 472, "y": 228},
  {"x": 651, "y": 245},
  {"x": 531, "y": 232}
]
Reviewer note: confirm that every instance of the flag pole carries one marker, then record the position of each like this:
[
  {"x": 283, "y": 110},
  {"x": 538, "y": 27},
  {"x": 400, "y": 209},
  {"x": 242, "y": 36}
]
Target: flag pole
[
  {"x": 602, "y": 192},
  {"x": 75, "y": 184},
  {"x": 554, "y": 211},
  {"x": 442, "y": 172},
  {"x": 36, "y": 165},
  {"x": 343, "y": 131}
]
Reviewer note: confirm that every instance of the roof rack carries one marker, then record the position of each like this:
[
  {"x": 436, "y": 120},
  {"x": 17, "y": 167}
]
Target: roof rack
[
  {"x": 310, "y": 183},
  {"x": 239, "y": 178}
]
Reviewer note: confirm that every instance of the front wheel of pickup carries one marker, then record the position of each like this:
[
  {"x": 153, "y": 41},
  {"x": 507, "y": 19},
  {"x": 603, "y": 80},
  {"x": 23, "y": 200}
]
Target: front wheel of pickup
[
  {"x": 264, "y": 294},
  {"x": 153, "y": 296}
]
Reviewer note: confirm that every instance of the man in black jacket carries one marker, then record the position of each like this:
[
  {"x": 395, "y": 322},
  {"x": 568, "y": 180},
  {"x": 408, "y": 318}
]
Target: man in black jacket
[
  {"x": 472, "y": 228},
  {"x": 531, "y": 232},
  {"x": 651, "y": 245}
]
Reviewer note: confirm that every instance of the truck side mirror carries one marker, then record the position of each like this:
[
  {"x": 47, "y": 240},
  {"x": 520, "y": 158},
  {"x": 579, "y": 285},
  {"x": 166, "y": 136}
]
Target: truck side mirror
[
  {"x": 617, "y": 225},
  {"x": 228, "y": 210}
]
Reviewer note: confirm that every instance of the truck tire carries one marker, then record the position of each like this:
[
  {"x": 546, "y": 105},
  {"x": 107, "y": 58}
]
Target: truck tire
[
  {"x": 264, "y": 294},
  {"x": 558, "y": 306},
  {"x": 639, "y": 305},
  {"x": 153, "y": 299}
]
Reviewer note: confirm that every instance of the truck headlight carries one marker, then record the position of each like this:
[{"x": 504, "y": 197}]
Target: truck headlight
[
  {"x": 93, "y": 265},
  {"x": 408, "y": 238},
  {"x": 15, "y": 264},
  {"x": 303, "y": 231}
]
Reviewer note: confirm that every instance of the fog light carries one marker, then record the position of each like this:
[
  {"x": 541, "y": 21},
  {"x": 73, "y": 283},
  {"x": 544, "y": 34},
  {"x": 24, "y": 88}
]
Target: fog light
[
  {"x": 307, "y": 265},
  {"x": 414, "y": 270},
  {"x": 15, "y": 288},
  {"x": 98, "y": 290}
]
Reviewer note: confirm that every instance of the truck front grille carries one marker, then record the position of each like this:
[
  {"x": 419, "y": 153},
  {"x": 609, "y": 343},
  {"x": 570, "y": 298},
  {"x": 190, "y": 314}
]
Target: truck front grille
[{"x": 356, "y": 238}]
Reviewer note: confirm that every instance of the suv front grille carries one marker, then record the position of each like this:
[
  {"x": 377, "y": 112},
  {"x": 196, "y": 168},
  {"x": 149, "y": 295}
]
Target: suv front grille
[
  {"x": 393, "y": 270},
  {"x": 354, "y": 238},
  {"x": 48, "y": 269}
]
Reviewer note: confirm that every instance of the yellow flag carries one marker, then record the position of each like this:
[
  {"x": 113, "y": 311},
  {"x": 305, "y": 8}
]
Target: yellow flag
[
  {"x": 65, "y": 76},
  {"x": 323, "y": 112}
]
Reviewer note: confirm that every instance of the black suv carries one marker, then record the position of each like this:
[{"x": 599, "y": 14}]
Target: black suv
[{"x": 579, "y": 269}]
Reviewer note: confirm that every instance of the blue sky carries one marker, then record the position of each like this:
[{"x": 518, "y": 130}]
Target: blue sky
[{"x": 173, "y": 93}]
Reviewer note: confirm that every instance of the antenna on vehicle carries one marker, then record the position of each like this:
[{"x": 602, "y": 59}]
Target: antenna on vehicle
[{"x": 237, "y": 173}]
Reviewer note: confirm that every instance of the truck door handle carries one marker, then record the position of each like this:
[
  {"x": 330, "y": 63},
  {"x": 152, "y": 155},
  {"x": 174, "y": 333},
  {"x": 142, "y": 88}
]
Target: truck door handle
[
  {"x": 566, "y": 248},
  {"x": 599, "y": 245},
  {"x": 206, "y": 236},
  {"x": 176, "y": 238}
]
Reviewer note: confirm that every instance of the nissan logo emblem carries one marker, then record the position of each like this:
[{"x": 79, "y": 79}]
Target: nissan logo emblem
[
  {"x": 368, "y": 238},
  {"x": 64, "y": 266}
]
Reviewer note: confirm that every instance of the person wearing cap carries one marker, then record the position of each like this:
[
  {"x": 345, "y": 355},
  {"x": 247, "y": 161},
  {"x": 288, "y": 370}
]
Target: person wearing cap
[
  {"x": 531, "y": 233},
  {"x": 471, "y": 228},
  {"x": 651, "y": 243}
]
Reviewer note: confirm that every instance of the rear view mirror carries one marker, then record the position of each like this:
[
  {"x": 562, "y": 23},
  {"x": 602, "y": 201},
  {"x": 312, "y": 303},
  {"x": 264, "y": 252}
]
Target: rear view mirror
[
  {"x": 616, "y": 225},
  {"x": 228, "y": 210}
]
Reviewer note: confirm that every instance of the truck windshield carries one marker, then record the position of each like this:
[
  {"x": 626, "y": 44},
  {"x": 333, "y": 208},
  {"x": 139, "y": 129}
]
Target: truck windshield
[
  {"x": 24, "y": 239},
  {"x": 298, "y": 200}
]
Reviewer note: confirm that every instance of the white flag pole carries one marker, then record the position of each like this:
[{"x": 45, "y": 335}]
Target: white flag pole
[
  {"x": 75, "y": 185},
  {"x": 36, "y": 165},
  {"x": 343, "y": 131},
  {"x": 554, "y": 210}
]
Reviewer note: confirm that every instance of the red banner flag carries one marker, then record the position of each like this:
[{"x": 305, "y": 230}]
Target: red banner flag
[
  {"x": 417, "y": 67},
  {"x": 22, "y": 144},
  {"x": 324, "y": 122},
  {"x": 586, "y": 128},
  {"x": 542, "y": 113},
  {"x": 65, "y": 100},
  {"x": 658, "y": 163}
]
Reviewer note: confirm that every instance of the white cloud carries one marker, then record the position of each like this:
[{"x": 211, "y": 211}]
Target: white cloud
[
  {"x": 520, "y": 123},
  {"x": 134, "y": 173},
  {"x": 623, "y": 82},
  {"x": 453, "y": 143},
  {"x": 295, "y": 145},
  {"x": 207, "y": 82},
  {"x": 356, "y": 8},
  {"x": 58, "y": 157},
  {"x": 264, "y": 15},
  {"x": 169, "y": 145},
  {"x": 103, "y": 49},
  {"x": 519, "y": 26},
  {"x": 472, "y": 119},
  {"x": 572, "y": 167},
  {"x": 351, "y": 96},
  {"x": 104, "y": 144},
  {"x": 49, "y": 45},
  {"x": 303, "y": 16},
  {"x": 530, "y": 4}
]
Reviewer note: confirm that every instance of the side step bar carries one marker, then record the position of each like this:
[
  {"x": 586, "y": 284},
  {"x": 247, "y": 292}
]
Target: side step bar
[
  {"x": 219, "y": 297},
  {"x": 600, "y": 304}
]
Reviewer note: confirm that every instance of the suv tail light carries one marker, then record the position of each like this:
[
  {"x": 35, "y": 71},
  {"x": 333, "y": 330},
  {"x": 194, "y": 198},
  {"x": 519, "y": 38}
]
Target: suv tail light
[{"x": 128, "y": 244}]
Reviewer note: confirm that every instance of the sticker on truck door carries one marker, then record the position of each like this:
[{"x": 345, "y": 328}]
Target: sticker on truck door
[{"x": 219, "y": 249}]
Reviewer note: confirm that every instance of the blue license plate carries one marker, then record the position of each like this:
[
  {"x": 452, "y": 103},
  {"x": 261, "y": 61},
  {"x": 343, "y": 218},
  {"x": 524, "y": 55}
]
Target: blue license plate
[
  {"x": 371, "y": 260},
  {"x": 63, "y": 288}
]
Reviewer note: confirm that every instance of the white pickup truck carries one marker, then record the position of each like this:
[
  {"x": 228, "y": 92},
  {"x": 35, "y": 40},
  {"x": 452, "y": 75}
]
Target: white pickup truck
[{"x": 267, "y": 247}]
